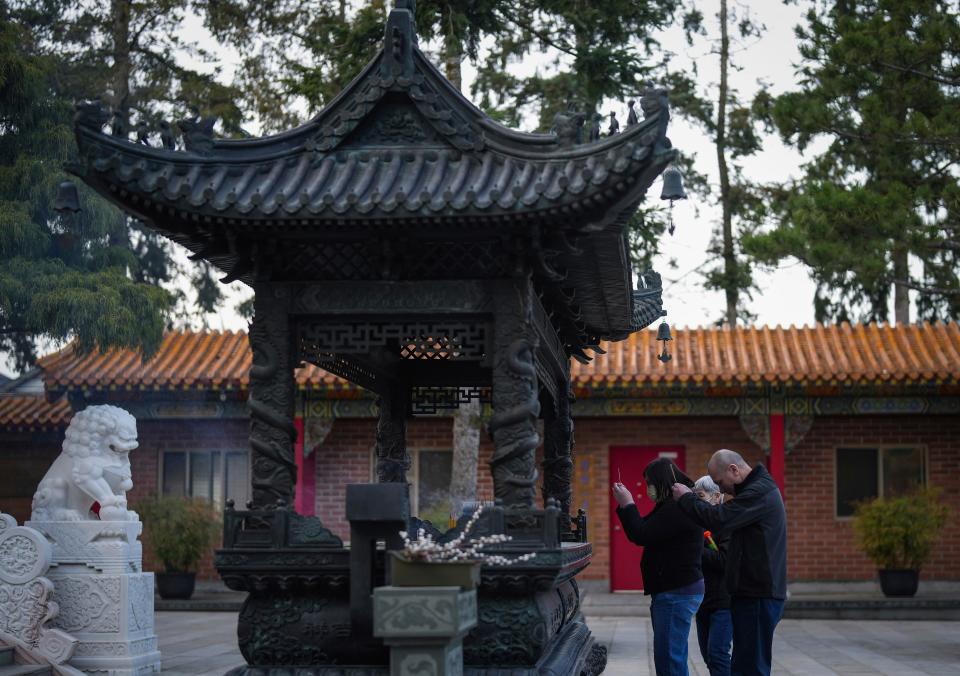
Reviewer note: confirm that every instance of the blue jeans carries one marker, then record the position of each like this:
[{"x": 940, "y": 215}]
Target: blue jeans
[
  {"x": 754, "y": 621},
  {"x": 715, "y": 633},
  {"x": 672, "y": 615}
]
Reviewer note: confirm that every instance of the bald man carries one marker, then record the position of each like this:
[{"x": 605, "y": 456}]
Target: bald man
[{"x": 756, "y": 568}]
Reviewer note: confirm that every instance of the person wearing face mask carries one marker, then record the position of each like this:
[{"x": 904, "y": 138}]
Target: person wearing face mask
[
  {"x": 714, "y": 628},
  {"x": 672, "y": 575}
]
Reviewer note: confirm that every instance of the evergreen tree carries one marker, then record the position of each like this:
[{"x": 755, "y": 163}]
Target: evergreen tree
[
  {"x": 879, "y": 79},
  {"x": 299, "y": 54},
  {"x": 734, "y": 129},
  {"x": 58, "y": 277},
  {"x": 93, "y": 276}
]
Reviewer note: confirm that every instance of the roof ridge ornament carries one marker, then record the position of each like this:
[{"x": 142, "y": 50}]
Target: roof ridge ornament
[{"x": 399, "y": 40}]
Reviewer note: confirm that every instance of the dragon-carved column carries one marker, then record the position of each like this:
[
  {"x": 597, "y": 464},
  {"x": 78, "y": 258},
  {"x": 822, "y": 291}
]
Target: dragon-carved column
[
  {"x": 516, "y": 405},
  {"x": 272, "y": 433},
  {"x": 557, "y": 452},
  {"x": 393, "y": 461}
]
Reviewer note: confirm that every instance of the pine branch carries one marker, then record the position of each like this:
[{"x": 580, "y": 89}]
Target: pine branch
[
  {"x": 924, "y": 288},
  {"x": 927, "y": 76}
]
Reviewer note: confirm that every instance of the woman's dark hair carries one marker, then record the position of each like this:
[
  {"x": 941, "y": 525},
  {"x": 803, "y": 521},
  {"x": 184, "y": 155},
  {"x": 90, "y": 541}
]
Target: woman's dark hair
[{"x": 662, "y": 474}]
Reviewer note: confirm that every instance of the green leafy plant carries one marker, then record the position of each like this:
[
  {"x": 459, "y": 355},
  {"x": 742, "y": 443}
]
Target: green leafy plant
[
  {"x": 178, "y": 531},
  {"x": 899, "y": 532}
]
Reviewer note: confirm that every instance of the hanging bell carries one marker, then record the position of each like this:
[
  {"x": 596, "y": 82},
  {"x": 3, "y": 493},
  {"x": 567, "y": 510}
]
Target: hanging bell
[
  {"x": 672, "y": 185},
  {"x": 67, "y": 201},
  {"x": 663, "y": 335},
  {"x": 663, "y": 332}
]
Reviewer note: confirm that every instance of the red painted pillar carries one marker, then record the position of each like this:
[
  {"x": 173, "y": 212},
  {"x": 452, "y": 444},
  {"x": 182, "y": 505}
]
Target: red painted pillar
[
  {"x": 776, "y": 462},
  {"x": 306, "y": 474}
]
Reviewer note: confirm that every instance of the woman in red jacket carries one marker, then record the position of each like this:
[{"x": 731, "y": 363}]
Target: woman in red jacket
[{"x": 672, "y": 547}]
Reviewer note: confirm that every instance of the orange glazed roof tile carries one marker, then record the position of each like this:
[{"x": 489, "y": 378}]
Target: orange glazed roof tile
[
  {"x": 860, "y": 353},
  {"x": 31, "y": 412},
  {"x": 186, "y": 360},
  {"x": 843, "y": 353}
]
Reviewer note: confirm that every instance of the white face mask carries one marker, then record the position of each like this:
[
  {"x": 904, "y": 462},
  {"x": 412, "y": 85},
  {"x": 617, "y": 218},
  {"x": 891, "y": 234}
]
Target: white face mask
[{"x": 652, "y": 492}]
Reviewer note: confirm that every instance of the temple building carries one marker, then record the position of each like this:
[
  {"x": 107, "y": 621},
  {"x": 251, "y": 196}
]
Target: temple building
[{"x": 840, "y": 413}]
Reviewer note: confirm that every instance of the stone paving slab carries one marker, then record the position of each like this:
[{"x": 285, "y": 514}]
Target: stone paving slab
[
  {"x": 198, "y": 643},
  {"x": 851, "y": 606}
]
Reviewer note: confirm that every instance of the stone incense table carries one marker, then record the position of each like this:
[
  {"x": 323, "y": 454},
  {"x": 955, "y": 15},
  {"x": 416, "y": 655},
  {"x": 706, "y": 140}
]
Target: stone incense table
[{"x": 424, "y": 627}]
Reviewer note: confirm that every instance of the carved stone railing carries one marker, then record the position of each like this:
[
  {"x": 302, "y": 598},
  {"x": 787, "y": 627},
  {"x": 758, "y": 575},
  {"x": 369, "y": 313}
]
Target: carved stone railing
[{"x": 26, "y": 600}]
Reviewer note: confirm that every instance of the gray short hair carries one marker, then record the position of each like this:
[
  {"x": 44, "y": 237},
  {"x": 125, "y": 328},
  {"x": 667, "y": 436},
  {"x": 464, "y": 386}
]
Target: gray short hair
[{"x": 707, "y": 485}]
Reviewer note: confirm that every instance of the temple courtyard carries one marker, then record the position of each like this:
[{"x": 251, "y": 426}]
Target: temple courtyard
[{"x": 195, "y": 643}]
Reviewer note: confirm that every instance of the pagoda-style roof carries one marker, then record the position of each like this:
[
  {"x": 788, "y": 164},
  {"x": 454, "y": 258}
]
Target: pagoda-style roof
[
  {"x": 401, "y": 160},
  {"x": 393, "y": 145}
]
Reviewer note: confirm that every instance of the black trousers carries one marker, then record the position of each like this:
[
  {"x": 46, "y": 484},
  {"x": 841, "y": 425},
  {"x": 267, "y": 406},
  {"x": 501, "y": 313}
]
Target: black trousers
[{"x": 754, "y": 621}]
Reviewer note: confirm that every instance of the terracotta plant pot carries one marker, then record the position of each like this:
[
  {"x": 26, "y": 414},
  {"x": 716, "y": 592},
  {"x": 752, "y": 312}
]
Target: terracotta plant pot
[
  {"x": 464, "y": 574},
  {"x": 899, "y": 582},
  {"x": 175, "y": 585}
]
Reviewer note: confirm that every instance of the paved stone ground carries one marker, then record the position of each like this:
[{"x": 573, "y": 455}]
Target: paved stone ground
[
  {"x": 196, "y": 643},
  {"x": 807, "y": 647}
]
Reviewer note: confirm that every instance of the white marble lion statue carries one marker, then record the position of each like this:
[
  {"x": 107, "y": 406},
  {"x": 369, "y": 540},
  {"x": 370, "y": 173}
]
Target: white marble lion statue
[{"x": 94, "y": 467}]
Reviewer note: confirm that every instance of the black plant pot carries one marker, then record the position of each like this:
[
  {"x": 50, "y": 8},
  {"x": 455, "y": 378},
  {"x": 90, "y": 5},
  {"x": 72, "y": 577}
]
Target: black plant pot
[
  {"x": 899, "y": 582},
  {"x": 175, "y": 585}
]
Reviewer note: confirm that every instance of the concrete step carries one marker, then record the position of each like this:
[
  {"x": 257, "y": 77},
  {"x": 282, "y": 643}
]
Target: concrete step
[
  {"x": 25, "y": 670},
  {"x": 6, "y": 655}
]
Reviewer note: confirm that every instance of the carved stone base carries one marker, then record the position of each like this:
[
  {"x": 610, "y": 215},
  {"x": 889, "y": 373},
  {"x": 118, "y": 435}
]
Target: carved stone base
[
  {"x": 112, "y": 618},
  {"x": 100, "y": 546}
]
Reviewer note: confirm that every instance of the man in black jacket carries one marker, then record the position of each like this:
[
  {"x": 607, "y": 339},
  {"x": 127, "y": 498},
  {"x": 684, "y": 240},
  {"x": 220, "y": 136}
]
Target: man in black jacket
[{"x": 756, "y": 568}]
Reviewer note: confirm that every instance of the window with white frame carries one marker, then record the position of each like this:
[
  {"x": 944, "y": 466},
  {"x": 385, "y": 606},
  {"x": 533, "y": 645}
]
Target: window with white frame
[
  {"x": 213, "y": 475},
  {"x": 865, "y": 473}
]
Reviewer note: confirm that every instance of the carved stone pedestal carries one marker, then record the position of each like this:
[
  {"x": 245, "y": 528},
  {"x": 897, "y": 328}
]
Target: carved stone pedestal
[
  {"x": 105, "y": 598},
  {"x": 424, "y": 627}
]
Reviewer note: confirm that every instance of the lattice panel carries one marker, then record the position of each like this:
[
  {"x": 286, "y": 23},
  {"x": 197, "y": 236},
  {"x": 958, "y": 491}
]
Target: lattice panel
[
  {"x": 329, "y": 261},
  {"x": 426, "y": 400},
  {"x": 456, "y": 260},
  {"x": 417, "y": 340},
  {"x": 431, "y": 347}
]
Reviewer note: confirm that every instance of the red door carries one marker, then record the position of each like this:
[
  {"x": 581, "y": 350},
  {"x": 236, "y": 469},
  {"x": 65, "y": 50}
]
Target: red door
[{"x": 627, "y": 464}]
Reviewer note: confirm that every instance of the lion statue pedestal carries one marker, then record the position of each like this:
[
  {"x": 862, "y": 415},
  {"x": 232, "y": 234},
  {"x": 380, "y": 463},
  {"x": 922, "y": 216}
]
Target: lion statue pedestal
[{"x": 105, "y": 598}]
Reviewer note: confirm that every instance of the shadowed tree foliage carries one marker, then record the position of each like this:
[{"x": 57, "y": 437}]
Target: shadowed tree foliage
[
  {"x": 96, "y": 276},
  {"x": 877, "y": 211}
]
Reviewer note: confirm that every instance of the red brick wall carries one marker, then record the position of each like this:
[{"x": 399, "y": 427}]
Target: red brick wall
[
  {"x": 157, "y": 436},
  {"x": 822, "y": 547},
  {"x": 346, "y": 456},
  {"x": 594, "y": 437}
]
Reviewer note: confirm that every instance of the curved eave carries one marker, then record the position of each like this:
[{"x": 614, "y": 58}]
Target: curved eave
[{"x": 395, "y": 183}]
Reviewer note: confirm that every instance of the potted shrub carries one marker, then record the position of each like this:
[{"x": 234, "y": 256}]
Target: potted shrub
[
  {"x": 425, "y": 563},
  {"x": 898, "y": 535},
  {"x": 178, "y": 532}
]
